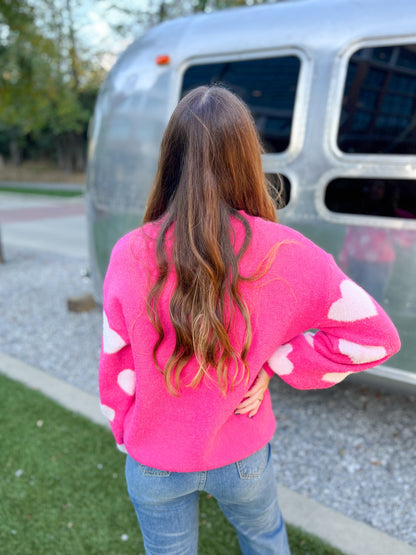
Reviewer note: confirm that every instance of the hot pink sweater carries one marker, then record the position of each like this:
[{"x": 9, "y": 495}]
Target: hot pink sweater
[{"x": 302, "y": 290}]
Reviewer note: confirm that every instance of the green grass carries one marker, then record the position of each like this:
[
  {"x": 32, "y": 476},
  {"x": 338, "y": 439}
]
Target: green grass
[
  {"x": 63, "y": 492},
  {"x": 40, "y": 191}
]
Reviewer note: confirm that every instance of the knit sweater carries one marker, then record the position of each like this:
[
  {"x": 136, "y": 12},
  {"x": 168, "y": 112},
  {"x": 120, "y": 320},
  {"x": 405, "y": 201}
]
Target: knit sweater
[{"x": 301, "y": 290}]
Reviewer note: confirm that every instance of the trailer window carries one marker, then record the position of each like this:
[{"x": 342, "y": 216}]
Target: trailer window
[
  {"x": 379, "y": 105},
  {"x": 280, "y": 189},
  {"x": 391, "y": 198},
  {"x": 267, "y": 85}
]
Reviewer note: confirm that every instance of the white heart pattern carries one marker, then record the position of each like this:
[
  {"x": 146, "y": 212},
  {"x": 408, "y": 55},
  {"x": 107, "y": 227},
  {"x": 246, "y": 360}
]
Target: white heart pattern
[
  {"x": 309, "y": 336},
  {"x": 279, "y": 362},
  {"x": 335, "y": 377},
  {"x": 360, "y": 354},
  {"x": 112, "y": 342},
  {"x": 127, "y": 381},
  {"x": 108, "y": 412},
  {"x": 354, "y": 304}
]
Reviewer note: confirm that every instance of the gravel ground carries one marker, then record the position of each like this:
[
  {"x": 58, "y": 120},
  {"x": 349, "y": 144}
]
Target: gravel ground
[{"x": 351, "y": 448}]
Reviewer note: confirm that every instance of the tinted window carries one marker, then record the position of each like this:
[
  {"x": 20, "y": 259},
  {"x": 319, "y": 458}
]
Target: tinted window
[
  {"x": 268, "y": 86},
  {"x": 391, "y": 198},
  {"x": 379, "y": 105}
]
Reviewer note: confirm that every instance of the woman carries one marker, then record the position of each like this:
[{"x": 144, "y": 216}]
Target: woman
[{"x": 201, "y": 306}]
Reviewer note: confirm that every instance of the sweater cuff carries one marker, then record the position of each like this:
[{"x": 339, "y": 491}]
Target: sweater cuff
[{"x": 268, "y": 370}]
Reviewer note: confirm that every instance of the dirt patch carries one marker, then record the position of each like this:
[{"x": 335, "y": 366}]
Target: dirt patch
[{"x": 38, "y": 172}]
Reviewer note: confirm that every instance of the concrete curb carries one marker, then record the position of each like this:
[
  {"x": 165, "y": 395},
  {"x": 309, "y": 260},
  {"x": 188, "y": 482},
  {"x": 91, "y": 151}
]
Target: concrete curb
[
  {"x": 349, "y": 535},
  {"x": 65, "y": 394}
]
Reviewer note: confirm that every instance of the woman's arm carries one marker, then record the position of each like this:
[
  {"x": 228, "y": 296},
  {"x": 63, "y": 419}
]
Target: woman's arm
[
  {"x": 353, "y": 334},
  {"x": 116, "y": 376}
]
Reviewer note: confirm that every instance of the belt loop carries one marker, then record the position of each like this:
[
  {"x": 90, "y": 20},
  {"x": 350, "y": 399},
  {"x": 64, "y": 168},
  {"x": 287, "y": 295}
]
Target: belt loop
[{"x": 202, "y": 480}]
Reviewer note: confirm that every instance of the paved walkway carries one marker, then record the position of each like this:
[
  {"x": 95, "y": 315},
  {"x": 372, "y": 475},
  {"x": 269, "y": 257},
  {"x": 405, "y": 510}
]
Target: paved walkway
[
  {"x": 59, "y": 226},
  {"x": 52, "y": 224},
  {"x": 41, "y": 212}
]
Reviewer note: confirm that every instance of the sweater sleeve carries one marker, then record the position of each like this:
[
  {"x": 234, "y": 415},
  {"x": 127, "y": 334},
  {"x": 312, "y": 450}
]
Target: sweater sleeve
[
  {"x": 352, "y": 333},
  {"x": 116, "y": 378}
]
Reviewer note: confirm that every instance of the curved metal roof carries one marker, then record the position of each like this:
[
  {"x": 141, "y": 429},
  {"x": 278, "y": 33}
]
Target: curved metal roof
[{"x": 324, "y": 24}]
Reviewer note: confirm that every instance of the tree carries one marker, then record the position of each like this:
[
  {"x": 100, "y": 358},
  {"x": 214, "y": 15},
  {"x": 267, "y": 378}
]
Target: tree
[
  {"x": 76, "y": 82},
  {"x": 23, "y": 80},
  {"x": 45, "y": 85},
  {"x": 132, "y": 21},
  {"x": 48, "y": 76}
]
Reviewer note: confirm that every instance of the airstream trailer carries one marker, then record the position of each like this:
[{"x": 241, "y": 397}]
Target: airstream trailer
[{"x": 332, "y": 88}]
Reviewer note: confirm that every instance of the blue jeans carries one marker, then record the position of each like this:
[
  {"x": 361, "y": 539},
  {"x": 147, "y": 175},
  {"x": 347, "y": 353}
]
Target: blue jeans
[{"x": 166, "y": 504}]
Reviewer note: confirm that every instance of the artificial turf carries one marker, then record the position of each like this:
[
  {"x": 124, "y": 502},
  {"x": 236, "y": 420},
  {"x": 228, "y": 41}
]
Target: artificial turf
[{"x": 62, "y": 488}]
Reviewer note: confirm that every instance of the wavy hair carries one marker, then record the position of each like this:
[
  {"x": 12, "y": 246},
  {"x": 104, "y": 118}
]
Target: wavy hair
[{"x": 209, "y": 169}]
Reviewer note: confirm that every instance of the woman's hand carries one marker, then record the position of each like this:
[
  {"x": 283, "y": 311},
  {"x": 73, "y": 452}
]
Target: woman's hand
[{"x": 254, "y": 395}]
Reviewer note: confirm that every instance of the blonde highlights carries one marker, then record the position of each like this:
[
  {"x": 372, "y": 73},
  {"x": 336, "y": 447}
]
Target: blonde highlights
[{"x": 209, "y": 170}]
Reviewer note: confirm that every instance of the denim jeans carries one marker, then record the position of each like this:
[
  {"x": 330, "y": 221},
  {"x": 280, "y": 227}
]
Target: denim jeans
[{"x": 166, "y": 504}]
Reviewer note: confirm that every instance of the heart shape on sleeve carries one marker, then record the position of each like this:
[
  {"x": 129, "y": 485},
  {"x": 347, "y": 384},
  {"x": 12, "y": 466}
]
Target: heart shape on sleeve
[
  {"x": 127, "y": 381},
  {"x": 335, "y": 377},
  {"x": 108, "y": 412},
  {"x": 360, "y": 354},
  {"x": 279, "y": 362},
  {"x": 354, "y": 304},
  {"x": 112, "y": 342},
  {"x": 309, "y": 336}
]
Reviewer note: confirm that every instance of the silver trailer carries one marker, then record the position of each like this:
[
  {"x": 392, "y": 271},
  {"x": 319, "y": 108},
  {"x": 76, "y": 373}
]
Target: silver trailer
[{"x": 332, "y": 87}]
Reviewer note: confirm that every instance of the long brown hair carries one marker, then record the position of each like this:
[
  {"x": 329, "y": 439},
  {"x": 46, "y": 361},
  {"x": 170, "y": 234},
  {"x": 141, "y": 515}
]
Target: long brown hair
[{"x": 209, "y": 169}]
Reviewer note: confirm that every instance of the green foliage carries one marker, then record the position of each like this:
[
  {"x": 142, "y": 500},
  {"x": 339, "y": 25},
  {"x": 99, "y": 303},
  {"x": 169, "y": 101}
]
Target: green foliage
[
  {"x": 24, "y": 85},
  {"x": 41, "y": 192},
  {"x": 152, "y": 12},
  {"x": 49, "y": 79},
  {"x": 45, "y": 84}
]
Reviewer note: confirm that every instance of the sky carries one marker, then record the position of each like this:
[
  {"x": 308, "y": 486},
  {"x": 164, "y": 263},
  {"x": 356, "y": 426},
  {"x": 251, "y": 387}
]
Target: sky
[
  {"x": 95, "y": 21},
  {"x": 92, "y": 19}
]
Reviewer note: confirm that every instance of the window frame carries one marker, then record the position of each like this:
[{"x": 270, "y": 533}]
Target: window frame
[
  {"x": 301, "y": 100},
  {"x": 336, "y": 95},
  {"x": 283, "y": 174},
  {"x": 359, "y": 219}
]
